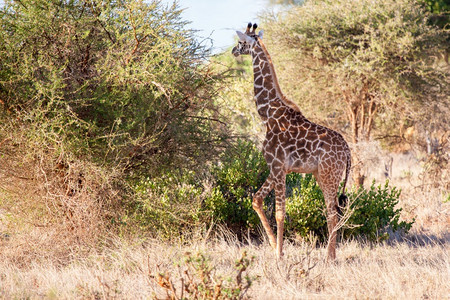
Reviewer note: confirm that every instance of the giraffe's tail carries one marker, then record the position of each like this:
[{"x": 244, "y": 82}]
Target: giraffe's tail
[{"x": 342, "y": 200}]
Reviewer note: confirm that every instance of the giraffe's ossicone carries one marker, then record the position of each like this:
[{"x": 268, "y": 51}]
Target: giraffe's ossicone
[{"x": 292, "y": 144}]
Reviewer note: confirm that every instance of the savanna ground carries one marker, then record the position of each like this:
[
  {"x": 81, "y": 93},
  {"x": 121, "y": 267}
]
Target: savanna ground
[
  {"x": 406, "y": 270},
  {"x": 37, "y": 263}
]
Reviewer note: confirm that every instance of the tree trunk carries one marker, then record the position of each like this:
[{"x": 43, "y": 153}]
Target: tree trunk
[{"x": 362, "y": 108}]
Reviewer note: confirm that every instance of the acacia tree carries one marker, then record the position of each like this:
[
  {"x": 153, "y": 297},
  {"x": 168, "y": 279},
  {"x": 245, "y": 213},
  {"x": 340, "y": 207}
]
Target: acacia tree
[
  {"x": 374, "y": 64},
  {"x": 121, "y": 81}
]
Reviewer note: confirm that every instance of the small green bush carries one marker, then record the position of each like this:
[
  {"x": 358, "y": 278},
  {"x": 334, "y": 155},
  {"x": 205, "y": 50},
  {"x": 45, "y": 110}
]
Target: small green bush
[
  {"x": 305, "y": 206},
  {"x": 239, "y": 175},
  {"x": 175, "y": 203},
  {"x": 168, "y": 206},
  {"x": 374, "y": 213}
]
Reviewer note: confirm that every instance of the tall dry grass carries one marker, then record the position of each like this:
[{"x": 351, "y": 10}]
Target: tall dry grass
[{"x": 401, "y": 270}]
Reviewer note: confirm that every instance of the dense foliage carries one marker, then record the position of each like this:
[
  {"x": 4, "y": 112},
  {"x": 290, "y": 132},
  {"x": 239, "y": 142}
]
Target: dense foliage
[
  {"x": 241, "y": 172},
  {"x": 437, "y": 6},
  {"x": 122, "y": 81},
  {"x": 374, "y": 212}
]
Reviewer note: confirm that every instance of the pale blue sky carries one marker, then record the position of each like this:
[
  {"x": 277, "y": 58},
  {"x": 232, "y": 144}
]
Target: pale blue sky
[{"x": 220, "y": 19}]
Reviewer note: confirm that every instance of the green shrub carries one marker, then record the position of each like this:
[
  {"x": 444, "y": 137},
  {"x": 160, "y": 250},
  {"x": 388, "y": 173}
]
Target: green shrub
[
  {"x": 168, "y": 207},
  {"x": 172, "y": 205},
  {"x": 175, "y": 203},
  {"x": 375, "y": 213},
  {"x": 121, "y": 82},
  {"x": 123, "y": 87},
  {"x": 242, "y": 170},
  {"x": 305, "y": 206}
]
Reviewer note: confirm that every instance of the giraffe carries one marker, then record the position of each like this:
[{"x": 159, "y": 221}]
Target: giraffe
[{"x": 292, "y": 144}]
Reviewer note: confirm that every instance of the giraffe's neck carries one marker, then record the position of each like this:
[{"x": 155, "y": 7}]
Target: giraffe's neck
[{"x": 268, "y": 94}]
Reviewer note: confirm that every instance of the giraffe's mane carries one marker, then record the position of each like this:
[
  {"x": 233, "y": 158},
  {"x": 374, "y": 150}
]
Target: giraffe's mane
[{"x": 282, "y": 97}]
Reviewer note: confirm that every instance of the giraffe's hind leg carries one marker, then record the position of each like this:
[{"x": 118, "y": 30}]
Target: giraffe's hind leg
[
  {"x": 332, "y": 221},
  {"x": 329, "y": 186}
]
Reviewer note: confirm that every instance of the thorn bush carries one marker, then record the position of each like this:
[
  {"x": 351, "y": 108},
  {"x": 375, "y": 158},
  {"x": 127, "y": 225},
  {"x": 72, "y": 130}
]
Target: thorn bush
[{"x": 197, "y": 279}]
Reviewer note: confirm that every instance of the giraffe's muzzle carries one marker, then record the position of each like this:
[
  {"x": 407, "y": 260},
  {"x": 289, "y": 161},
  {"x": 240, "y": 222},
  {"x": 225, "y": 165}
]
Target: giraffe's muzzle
[{"x": 235, "y": 51}]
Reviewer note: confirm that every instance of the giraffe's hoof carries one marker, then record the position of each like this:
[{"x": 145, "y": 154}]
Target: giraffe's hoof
[
  {"x": 280, "y": 255},
  {"x": 331, "y": 257}
]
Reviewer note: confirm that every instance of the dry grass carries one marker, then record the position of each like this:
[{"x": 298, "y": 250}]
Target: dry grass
[{"x": 400, "y": 271}]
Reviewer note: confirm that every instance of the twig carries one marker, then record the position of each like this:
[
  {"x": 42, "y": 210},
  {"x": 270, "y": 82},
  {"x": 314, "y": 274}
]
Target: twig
[
  {"x": 138, "y": 41},
  {"x": 5, "y": 140}
]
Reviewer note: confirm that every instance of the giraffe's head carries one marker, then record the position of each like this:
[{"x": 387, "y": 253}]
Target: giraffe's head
[{"x": 246, "y": 40}]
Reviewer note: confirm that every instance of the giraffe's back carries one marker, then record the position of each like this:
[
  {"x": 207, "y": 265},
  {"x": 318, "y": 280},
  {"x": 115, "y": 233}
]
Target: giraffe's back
[{"x": 303, "y": 146}]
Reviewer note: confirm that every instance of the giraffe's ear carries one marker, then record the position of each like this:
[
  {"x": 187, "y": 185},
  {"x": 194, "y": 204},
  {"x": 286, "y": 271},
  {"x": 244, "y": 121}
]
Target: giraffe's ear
[
  {"x": 243, "y": 37},
  {"x": 260, "y": 34}
]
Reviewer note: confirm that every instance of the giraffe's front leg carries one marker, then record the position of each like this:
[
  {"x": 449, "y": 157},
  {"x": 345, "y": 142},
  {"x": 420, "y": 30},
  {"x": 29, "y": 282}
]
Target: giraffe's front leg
[
  {"x": 280, "y": 211},
  {"x": 258, "y": 207}
]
